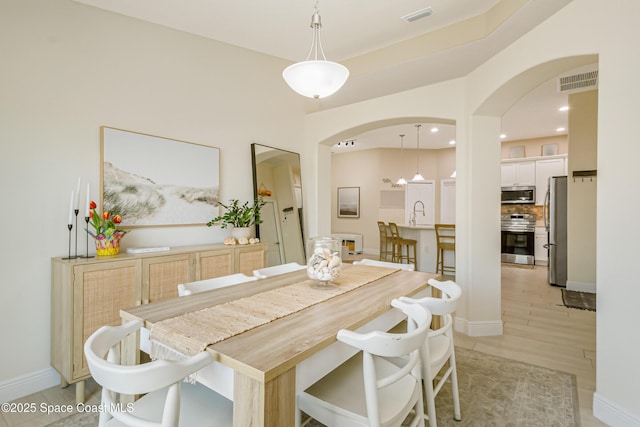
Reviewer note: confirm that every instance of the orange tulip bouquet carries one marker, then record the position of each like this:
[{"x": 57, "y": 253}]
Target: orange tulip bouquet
[{"x": 105, "y": 231}]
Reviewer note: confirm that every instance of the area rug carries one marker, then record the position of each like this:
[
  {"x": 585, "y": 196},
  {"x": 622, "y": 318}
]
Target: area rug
[
  {"x": 501, "y": 392},
  {"x": 577, "y": 299},
  {"x": 81, "y": 419},
  {"x": 493, "y": 392}
]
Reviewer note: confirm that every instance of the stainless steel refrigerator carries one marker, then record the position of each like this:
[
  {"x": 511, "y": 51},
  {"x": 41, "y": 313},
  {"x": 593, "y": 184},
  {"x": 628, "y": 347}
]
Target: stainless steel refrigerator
[{"x": 555, "y": 220}]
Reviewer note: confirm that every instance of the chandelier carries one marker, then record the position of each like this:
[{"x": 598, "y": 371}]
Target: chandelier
[{"x": 317, "y": 77}]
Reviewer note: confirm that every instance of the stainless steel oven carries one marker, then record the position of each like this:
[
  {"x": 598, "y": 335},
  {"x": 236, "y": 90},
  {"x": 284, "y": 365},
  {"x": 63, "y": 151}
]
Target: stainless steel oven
[{"x": 518, "y": 238}]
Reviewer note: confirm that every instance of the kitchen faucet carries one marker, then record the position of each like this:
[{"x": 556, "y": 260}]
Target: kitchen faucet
[{"x": 412, "y": 217}]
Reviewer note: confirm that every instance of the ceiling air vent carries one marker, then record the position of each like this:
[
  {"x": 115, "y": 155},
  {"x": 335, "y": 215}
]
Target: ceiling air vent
[
  {"x": 418, "y": 14},
  {"x": 580, "y": 82}
]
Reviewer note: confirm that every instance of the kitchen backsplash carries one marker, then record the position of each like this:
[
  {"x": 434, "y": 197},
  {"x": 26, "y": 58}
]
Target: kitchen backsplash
[{"x": 524, "y": 209}]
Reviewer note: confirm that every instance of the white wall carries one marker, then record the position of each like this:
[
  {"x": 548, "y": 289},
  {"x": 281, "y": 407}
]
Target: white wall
[
  {"x": 533, "y": 146},
  {"x": 66, "y": 70},
  {"x": 367, "y": 169},
  {"x": 618, "y": 370},
  {"x": 582, "y": 195}
]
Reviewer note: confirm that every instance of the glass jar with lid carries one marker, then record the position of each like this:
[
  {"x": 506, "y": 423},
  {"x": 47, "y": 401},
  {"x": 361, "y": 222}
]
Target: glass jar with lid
[{"x": 325, "y": 261}]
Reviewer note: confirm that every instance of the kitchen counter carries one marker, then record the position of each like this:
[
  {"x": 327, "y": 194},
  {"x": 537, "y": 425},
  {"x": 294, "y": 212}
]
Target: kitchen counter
[
  {"x": 425, "y": 236},
  {"x": 417, "y": 227}
]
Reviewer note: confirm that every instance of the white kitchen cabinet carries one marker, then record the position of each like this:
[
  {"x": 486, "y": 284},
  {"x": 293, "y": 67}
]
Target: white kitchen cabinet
[
  {"x": 541, "y": 255},
  {"x": 544, "y": 170},
  {"x": 518, "y": 173},
  {"x": 420, "y": 201}
]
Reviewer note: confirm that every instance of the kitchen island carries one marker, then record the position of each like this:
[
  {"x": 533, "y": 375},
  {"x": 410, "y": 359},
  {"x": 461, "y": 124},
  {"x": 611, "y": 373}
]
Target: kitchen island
[{"x": 425, "y": 236}]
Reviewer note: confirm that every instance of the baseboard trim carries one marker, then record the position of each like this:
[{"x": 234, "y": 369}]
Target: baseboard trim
[
  {"x": 611, "y": 414},
  {"x": 25, "y": 385},
  {"x": 581, "y": 287},
  {"x": 478, "y": 329}
]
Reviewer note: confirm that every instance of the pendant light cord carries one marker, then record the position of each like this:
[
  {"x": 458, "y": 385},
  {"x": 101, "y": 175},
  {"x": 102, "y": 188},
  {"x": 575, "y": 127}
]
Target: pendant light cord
[{"x": 418, "y": 145}]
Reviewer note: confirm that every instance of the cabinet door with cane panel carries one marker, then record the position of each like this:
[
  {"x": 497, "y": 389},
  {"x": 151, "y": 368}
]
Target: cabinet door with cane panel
[
  {"x": 89, "y": 293},
  {"x": 249, "y": 258},
  {"x": 214, "y": 263},
  {"x": 161, "y": 276},
  {"x": 99, "y": 292}
]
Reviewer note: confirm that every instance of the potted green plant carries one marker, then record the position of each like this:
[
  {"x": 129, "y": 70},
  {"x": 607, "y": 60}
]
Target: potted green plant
[{"x": 241, "y": 217}]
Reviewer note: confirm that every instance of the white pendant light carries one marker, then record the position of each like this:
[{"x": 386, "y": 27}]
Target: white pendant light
[
  {"x": 401, "y": 180},
  {"x": 316, "y": 78},
  {"x": 418, "y": 176}
]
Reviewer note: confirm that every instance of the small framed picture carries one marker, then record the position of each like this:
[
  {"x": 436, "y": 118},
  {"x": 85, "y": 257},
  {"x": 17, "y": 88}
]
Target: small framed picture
[
  {"x": 516, "y": 152},
  {"x": 549, "y": 149},
  {"x": 348, "y": 202}
]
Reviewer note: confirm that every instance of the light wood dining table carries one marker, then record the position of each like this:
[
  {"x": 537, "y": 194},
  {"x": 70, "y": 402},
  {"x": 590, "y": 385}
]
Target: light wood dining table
[{"x": 264, "y": 359}]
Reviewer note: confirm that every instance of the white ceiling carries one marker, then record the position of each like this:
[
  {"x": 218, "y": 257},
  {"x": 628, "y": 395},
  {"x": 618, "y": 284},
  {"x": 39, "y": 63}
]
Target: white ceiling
[{"x": 384, "y": 53}]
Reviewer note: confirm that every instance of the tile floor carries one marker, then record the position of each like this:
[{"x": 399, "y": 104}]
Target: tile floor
[{"x": 538, "y": 329}]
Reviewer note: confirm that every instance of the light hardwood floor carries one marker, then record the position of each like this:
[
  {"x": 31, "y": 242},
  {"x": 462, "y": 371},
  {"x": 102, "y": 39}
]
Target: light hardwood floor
[{"x": 538, "y": 329}]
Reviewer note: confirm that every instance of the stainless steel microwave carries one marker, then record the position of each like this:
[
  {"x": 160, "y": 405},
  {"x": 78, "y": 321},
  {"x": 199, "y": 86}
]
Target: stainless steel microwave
[{"x": 519, "y": 194}]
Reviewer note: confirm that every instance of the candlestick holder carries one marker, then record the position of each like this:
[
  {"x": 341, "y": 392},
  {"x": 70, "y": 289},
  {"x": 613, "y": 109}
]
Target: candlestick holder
[
  {"x": 70, "y": 227},
  {"x": 76, "y": 212},
  {"x": 86, "y": 219}
]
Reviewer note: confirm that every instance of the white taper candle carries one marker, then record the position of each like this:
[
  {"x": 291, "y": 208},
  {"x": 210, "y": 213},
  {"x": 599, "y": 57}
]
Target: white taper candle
[
  {"x": 86, "y": 214},
  {"x": 78, "y": 195},
  {"x": 71, "y": 209}
]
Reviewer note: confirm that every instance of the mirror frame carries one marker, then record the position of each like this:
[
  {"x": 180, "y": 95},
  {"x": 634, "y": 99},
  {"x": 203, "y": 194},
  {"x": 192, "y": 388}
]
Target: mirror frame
[{"x": 256, "y": 187}]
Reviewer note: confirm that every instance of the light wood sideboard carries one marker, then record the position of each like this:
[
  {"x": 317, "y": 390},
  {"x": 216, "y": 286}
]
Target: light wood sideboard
[{"x": 87, "y": 293}]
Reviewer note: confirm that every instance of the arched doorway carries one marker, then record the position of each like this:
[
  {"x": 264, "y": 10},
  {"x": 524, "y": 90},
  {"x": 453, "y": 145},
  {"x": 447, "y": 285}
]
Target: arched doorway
[{"x": 372, "y": 166}]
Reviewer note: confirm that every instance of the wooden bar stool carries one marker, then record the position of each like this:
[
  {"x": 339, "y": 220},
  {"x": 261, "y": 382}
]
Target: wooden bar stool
[
  {"x": 445, "y": 241},
  {"x": 386, "y": 246},
  {"x": 402, "y": 245}
]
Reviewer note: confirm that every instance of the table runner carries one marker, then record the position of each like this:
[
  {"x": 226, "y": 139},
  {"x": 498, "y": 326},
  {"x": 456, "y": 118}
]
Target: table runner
[{"x": 191, "y": 333}]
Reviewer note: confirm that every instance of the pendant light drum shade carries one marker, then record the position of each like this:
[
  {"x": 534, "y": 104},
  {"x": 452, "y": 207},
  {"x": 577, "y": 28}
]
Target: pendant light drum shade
[{"x": 316, "y": 78}]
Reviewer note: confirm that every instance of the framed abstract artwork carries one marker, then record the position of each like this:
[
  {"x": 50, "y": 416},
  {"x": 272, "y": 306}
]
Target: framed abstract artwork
[
  {"x": 153, "y": 181},
  {"x": 348, "y": 202}
]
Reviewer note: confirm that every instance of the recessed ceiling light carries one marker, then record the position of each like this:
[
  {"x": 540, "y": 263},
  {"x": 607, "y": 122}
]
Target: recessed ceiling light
[
  {"x": 560, "y": 129},
  {"x": 564, "y": 108},
  {"x": 452, "y": 142},
  {"x": 434, "y": 129},
  {"x": 503, "y": 136}
]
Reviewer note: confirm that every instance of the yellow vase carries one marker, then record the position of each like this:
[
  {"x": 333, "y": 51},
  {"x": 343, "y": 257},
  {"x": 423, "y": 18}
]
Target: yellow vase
[{"x": 108, "y": 247}]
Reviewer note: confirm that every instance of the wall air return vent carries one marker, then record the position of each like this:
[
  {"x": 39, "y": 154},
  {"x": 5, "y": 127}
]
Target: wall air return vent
[
  {"x": 418, "y": 14},
  {"x": 580, "y": 82}
]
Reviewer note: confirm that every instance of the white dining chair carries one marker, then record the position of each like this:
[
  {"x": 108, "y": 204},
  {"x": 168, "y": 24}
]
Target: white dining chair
[
  {"x": 366, "y": 261},
  {"x": 368, "y": 390},
  {"x": 167, "y": 400},
  {"x": 215, "y": 283},
  {"x": 263, "y": 273},
  {"x": 439, "y": 347}
]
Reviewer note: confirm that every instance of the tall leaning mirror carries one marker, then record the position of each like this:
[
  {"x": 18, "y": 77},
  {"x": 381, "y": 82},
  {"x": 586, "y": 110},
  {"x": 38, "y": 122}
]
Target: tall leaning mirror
[{"x": 276, "y": 177}]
